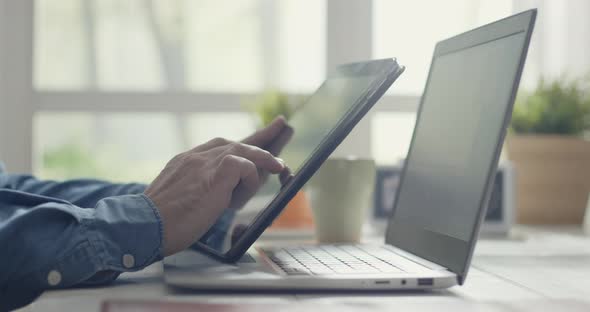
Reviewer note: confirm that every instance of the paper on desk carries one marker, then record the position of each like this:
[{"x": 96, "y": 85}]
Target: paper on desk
[
  {"x": 159, "y": 306},
  {"x": 456, "y": 306}
]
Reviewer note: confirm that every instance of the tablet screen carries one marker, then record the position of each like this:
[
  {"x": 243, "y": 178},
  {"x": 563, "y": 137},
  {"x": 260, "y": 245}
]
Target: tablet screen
[{"x": 309, "y": 126}]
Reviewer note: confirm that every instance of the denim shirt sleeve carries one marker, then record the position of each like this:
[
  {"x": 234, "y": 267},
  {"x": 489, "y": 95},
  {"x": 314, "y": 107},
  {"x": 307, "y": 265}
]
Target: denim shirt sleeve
[
  {"x": 80, "y": 192},
  {"x": 58, "y": 235}
]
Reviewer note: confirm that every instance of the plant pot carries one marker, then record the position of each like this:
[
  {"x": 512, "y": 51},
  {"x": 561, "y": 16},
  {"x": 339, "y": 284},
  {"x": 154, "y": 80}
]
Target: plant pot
[
  {"x": 296, "y": 215},
  {"x": 552, "y": 178}
]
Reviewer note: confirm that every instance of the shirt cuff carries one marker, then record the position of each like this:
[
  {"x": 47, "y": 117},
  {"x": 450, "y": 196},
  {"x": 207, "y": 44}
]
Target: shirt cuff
[{"x": 126, "y": 233}]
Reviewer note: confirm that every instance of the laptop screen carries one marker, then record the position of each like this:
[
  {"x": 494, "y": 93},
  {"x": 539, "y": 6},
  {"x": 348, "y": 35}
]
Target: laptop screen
[{"x": 460, "y": 127}]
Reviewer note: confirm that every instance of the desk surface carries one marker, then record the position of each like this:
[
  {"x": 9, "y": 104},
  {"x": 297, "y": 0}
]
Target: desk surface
[{"x": 540, "y": 268}]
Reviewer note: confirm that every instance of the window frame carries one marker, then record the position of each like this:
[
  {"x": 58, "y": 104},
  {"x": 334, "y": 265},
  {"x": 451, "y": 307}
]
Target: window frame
[{"x": 21, "y": 101}]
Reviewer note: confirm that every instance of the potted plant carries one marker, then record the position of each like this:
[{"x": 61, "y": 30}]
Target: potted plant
[
  {"x": 550, "y": 154},
  {"x": 267, "y": 106}
]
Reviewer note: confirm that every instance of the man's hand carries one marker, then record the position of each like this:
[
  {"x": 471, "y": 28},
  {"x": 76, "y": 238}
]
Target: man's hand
[
  {"x": 196, "y": 187},
  {"x": 273, "y": 137}
]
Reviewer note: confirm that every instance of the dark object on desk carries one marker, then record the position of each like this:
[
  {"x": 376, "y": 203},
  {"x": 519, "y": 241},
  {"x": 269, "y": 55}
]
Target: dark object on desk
[
  {"x": 161, "y": 306},
  {"x": 386, "y": 184},
  {"x": 500, "y": 213},
  {"x": 369, "y": 305}
]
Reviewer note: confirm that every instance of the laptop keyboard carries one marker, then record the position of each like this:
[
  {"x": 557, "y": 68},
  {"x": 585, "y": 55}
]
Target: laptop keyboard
[{"x": 333, "y": 259}]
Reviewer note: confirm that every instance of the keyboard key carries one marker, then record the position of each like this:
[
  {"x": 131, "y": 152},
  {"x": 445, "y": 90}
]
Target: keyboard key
[
  {"x": 296, "y": 271},
  {"x": 322, "y": 271},
  {"x": 336, "y": 259}
]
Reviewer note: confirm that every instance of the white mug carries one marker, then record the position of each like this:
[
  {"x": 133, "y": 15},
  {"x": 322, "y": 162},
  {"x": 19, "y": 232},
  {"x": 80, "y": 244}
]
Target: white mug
[{"x": 340, "y": 193}]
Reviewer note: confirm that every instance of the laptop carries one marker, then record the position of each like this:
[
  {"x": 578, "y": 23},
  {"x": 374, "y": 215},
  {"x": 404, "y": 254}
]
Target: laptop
[{"x": 443, "y": 192}]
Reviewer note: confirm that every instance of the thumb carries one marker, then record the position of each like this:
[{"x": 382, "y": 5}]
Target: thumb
[{"x": 266, "y": 135}]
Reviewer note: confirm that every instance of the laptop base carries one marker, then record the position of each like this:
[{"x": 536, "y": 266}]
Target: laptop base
[{"x": 192, "y": 270}]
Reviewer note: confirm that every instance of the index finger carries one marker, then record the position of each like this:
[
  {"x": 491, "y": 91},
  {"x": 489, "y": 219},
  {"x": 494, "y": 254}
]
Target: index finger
[{"x": 261, "y": 158}]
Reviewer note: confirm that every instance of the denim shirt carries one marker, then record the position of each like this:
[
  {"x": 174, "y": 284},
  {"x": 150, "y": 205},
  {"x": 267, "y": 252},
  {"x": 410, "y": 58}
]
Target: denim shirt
[{"x": 64, "y": 234}]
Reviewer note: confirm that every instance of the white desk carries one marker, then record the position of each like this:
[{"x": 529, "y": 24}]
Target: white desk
[{"x": 541, "y": 269}]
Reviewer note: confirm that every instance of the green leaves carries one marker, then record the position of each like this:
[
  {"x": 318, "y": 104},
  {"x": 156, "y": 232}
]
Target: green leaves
[
  {"x": 272, "y": 103},
  {"x": 558, "y": 107}
]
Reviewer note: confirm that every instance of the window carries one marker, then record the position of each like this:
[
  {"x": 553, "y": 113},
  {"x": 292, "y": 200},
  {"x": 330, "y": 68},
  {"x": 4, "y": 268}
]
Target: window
[
  {"x": 124, "y": 146},
  {"x": 179, "y": 70},
  {"x": 117, "y": 147},
  {"x": 409, "y": 30},
  {"x": 178, "y": 65},
  {"x": 203, "y": 46},
  {"x": 392, "y": 133}
]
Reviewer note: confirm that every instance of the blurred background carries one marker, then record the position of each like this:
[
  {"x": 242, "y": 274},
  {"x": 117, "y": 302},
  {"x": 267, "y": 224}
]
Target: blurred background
[{"x": 113, "y": 89}]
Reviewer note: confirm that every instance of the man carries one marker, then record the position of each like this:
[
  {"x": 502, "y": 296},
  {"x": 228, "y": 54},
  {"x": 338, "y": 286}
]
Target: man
[{"x": 85, "y": 232}]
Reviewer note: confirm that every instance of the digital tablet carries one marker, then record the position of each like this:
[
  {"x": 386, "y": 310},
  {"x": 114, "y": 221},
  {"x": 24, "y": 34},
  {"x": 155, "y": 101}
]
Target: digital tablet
[{"x": 316, "y": 129}]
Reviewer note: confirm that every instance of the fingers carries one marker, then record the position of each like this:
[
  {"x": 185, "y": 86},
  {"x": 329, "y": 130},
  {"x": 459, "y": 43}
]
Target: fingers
[
  {"x": 239, "y": 168},
  {"x": 234, "y": 170},
  {"x": 266, "y": 135},
  {"x": 263, "y": 160},
  {"x": 217, "y": 142}
]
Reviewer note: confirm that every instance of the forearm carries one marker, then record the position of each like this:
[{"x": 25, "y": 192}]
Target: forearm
[
  {"x": 80, "y": 192},
  {"x": 49, "y": 243}
]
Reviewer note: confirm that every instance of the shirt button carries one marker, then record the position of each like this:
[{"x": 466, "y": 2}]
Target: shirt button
[
  {"x": 54, "y": 278},
  {"x": 128, "y": 261}
]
